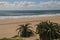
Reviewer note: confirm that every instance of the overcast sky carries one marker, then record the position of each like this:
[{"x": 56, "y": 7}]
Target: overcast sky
[{"x": 29, "y": 4}]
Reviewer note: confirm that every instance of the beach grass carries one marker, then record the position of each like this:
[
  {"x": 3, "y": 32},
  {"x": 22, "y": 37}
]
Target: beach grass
[{"x": 11, "y": 39}]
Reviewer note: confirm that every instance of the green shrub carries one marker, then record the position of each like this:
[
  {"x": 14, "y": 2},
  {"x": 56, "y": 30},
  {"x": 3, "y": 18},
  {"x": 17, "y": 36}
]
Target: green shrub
[
  {"x": 10, "y": 39},
  {"x": 6, "y": 39}
]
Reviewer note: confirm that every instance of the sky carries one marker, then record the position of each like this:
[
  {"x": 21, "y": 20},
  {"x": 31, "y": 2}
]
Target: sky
[{"x": 29, "y": 4}]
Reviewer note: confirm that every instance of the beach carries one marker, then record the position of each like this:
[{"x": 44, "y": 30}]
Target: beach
[{"x": 8, "y": 26}]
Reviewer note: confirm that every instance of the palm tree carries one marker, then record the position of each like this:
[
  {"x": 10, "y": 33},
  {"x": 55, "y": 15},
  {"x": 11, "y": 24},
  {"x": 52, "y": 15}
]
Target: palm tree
[
  {"x": 24, "y": 30},
  {"x": 47, "y": 30},
  {"x": 42, "y": 30}
]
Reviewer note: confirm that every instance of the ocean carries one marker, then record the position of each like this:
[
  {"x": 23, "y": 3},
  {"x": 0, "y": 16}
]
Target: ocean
[{"x": 27, "y": 13}]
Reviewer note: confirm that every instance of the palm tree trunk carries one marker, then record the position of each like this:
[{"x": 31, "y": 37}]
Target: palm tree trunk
[{"x": 44, "y": 36}]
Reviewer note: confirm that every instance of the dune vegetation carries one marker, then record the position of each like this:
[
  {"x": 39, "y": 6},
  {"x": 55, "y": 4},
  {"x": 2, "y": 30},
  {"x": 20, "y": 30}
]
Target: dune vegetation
[
  {"x": 10, "y": 39},
  {"x": 47, "y": 31}
]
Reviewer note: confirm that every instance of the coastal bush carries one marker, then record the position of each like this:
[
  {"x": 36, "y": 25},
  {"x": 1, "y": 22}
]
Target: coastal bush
[
  {"x": 10, "y": 39},
  {"x": 24, "y": 30},
  {"x": 6, "y": 39},
  {"x": 48, "y": 30}
]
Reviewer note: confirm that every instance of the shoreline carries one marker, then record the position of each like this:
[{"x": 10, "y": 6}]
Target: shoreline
[{"x": 28, "y": 16}]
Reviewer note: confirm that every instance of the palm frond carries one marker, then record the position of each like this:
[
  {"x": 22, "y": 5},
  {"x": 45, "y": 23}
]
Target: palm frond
[
  {"x": 19, "y": 28},
  {"x": 27, "y": 24}
]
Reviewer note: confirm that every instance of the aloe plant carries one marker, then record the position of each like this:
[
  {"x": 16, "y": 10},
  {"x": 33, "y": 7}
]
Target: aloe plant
[
  {"x": 48, "y": 30},
  {"x": 24, "y": 30}
]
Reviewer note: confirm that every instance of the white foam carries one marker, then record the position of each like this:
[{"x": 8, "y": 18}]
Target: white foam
[{"x": 11, "y": 17}]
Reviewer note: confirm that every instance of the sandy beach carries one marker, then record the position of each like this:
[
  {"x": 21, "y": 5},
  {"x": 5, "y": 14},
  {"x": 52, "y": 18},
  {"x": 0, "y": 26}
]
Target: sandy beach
[{"x": 8, "y": 26}]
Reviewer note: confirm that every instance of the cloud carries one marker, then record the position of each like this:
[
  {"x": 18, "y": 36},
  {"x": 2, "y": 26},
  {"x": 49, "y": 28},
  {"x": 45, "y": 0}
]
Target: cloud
[{"x": 24, "y": 5}]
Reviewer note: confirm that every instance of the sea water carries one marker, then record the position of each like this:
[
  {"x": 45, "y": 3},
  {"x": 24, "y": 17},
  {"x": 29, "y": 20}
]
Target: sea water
[{"x": 27, "y": 13}]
